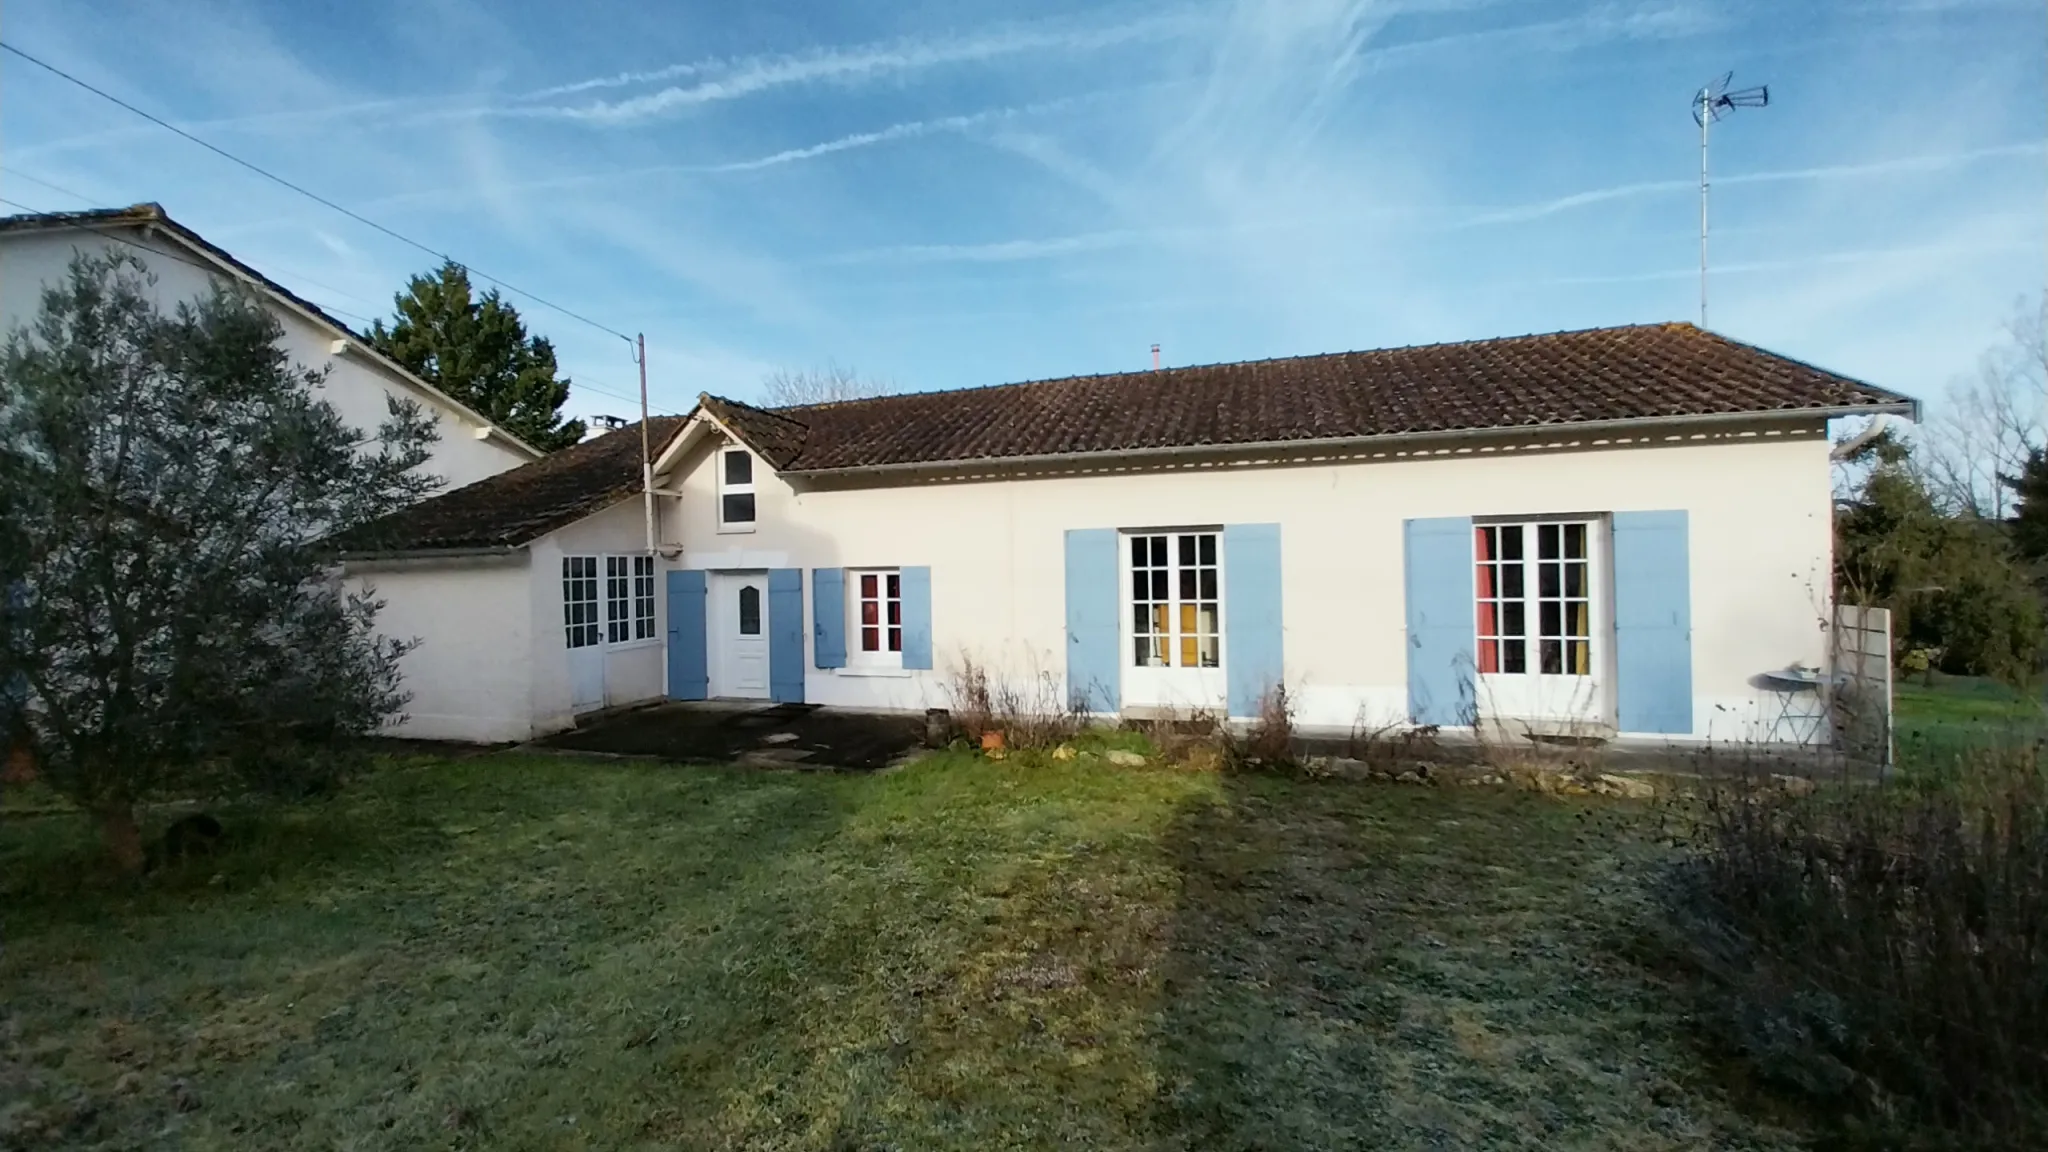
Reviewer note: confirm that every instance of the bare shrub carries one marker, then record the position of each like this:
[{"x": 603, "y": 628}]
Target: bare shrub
[
  {"x": 1035, "y": 715},
  {"x": 1881, "y": 948},
  {"x": 1267, "y": 744},
  {"x": 1389, "y": 743},
  {"x": 1198, "y": 740}
]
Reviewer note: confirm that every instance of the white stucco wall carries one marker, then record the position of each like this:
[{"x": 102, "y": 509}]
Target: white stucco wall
[
  {"x": 355, "y": 385},
  {"x": 492, "y": 663},
  {"x": 469, "y": 677},
  {"x": 1760, "y": 554},
  {"x": 634, "y": 671}
]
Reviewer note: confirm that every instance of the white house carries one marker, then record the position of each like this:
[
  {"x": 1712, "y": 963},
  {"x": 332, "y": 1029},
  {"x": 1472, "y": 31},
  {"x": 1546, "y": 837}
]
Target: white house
[
  {"x": 36, "y": 252},
  {"x": 1615, "y": 532}
]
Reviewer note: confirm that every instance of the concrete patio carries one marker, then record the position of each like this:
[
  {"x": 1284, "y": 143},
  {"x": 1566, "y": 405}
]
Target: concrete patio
[{"x": 766, "y": 735}]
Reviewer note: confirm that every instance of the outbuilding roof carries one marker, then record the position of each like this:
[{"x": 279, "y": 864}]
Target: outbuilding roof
[
  {"x": 524, "y": 504},
  {"x": 1656, "y": 372}
]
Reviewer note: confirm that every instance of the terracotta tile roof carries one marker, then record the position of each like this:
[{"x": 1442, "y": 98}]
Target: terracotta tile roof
[
  {"x": 524, "y": 504},
  {"x": 1648, "y": 372}
]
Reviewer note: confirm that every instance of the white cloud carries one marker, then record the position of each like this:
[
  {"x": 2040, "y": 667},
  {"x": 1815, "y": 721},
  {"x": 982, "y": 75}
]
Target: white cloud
[
  {"x": 334, "y": 244},
  {"x": 740, "y": 78},
  {"x": 1523, "y": 213}
]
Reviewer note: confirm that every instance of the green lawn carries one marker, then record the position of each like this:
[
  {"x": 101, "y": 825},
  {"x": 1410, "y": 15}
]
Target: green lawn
[
  {"x": 1937, "y": 721},
  {"x": 524, "y": 952}
]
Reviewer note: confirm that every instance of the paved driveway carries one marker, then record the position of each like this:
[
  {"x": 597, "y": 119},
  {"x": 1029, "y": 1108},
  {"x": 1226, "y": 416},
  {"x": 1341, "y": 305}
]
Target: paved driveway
[{"x": 777, "y": 735}]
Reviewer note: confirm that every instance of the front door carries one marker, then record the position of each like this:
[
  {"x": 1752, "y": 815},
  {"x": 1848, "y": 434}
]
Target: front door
[
  {"x": 1173, "y": 622},
  {"x": 739, "y": 627},
  {"x": 1540, "y": 645}
]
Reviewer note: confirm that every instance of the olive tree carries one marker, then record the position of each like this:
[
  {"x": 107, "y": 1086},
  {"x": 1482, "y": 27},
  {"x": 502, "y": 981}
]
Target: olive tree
[{"x": 169, "y": 476}]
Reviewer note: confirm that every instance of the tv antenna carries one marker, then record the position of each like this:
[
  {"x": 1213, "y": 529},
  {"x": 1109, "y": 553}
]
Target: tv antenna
[{"x": 1710, "y": 104}]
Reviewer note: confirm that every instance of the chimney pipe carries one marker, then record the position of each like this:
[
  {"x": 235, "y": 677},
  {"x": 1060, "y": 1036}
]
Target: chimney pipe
[{"x": 1155, "y": 357}]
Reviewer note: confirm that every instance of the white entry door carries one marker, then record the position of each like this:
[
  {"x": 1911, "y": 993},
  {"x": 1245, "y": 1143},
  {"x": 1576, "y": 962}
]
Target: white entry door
[
  {"x": 1541, "y": 644},
  {"x": 739, "y": 630},
  {"x": 1173, "y": 639},
  {"x": 582, "y": 633}
]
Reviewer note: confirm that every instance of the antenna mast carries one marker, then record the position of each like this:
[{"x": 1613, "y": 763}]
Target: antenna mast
[{"x": 1713, "y": 102}]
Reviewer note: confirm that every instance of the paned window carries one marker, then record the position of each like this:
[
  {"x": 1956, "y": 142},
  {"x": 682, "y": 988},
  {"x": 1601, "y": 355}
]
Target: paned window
[
  {"x": 878, "y": 610},
  {"x": 580, "y": 602},
  {"x": 628, "y": 598},
  {"x": 643, "y": 597},
  {"x": 1534, "y": 595},
  {"x": 735, "y": 489},
  {"x": 618, "y": 599},
  {"x": 1176, "y": 601}
]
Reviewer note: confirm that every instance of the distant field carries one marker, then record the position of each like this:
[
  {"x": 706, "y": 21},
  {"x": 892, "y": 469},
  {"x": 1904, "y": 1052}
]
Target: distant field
[{"x": 1957, "y": 712}]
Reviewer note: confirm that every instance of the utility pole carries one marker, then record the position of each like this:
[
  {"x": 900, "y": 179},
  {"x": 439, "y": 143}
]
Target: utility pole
[
  {"x": 646, "y": 447},
  {"x": 1713, "y": 102}
]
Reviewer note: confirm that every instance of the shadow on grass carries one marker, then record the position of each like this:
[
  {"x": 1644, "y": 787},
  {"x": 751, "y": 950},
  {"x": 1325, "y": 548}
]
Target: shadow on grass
[
  {"x": 1395, "y": 967},
  {"x": 54, "y": 868}
]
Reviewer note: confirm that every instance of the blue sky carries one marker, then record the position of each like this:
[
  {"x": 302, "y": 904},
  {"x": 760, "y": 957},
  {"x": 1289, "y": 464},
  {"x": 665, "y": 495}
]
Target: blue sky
[{"x": 968, "y": 193}]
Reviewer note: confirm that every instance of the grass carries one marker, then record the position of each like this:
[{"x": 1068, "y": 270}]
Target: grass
[
  {"x": 1936, "y": 721},
  {"x": 529, "y": 952}
]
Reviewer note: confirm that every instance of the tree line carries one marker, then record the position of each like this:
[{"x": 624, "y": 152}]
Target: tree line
[{"x": 1947, "y": 525}]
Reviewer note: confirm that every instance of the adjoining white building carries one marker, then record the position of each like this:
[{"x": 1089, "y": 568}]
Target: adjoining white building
[
  {"x": 36, "y": 253},
  {"x": 1615, "y": 532}
]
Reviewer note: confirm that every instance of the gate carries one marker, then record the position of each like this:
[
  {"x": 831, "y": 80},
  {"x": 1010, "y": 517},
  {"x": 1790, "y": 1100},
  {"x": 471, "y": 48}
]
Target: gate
[{"x": 1862, "y": 685}]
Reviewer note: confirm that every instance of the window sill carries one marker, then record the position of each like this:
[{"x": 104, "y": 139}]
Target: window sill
[
  {"x": 630, "y": 645},
  {"x": 875, "y": 670},
  {"x": 734, "y": 529}
]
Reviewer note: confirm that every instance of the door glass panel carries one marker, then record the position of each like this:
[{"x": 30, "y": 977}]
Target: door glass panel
[
  {"x": 1561, "y": 596},
  {"x": 580, "y": 602},
  {"x": 1175, "y": 601},
  {"x": 750, "y": 610}
]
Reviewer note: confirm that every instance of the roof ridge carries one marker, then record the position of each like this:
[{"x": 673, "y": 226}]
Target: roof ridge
[
  {"x": 781, "y": 414},
  {"x": 150, "y": 213},
  {"x": 1388, "y": 350}
]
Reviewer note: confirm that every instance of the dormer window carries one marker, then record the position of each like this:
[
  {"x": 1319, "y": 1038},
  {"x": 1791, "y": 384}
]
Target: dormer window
[{"x": 735, "y": 490}]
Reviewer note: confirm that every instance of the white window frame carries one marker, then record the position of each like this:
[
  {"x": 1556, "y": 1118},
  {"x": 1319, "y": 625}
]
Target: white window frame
[
  {"x": 628, "y": 595},
  {"x": 582, "y": 615},
  {"x": 643, "y": 599},
  {"x": 1535, "y": 633},
  {"x": 858, "y": 657},
  {"x": 1179, "y": 612},
  {"x": 730, "y": 489}
]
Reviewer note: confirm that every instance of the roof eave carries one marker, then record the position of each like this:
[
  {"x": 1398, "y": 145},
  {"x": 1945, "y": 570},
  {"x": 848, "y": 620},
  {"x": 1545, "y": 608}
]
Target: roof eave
[
  {"x": 159, "y": 223},
  {"x": 1905, "y": 407},
  {"x": 391, "y": 554}
]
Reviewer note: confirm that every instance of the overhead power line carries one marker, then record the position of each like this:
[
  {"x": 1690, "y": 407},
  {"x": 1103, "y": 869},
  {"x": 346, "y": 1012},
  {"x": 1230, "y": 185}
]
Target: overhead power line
[
  {"x": 57, "y": 188},
  {"x": 214, "y": 270},
  {"x": 308, "y": 193},
  {"x": 294, "y": 273},
  {"x": 117, "y": 237}
]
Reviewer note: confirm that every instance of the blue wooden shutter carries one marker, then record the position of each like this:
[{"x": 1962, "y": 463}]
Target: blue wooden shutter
[
  {"x": 1094, "y": 674},
  {"x": 1652, "y": 622},
  {"x": 916, "y": 590},
  {"x": 786, "y": 635},
  {"x": 1253, "y": 657},
  {"x": 687, "y": 675},
  {"x": 1437, "y": 554},
  {"x": 828, "y": 617}
]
